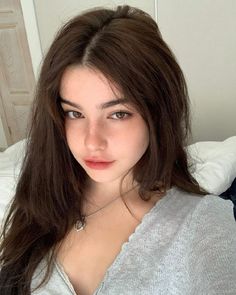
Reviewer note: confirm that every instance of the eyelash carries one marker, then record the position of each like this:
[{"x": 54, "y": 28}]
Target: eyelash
[{"x": 67, "y": 114}]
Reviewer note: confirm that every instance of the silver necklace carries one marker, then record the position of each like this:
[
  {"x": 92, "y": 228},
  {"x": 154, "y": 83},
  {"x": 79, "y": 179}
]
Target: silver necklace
[{"x": 80, "y": 224}]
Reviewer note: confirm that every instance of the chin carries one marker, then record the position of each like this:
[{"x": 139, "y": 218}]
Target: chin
[{"x": 102, "y": 178}]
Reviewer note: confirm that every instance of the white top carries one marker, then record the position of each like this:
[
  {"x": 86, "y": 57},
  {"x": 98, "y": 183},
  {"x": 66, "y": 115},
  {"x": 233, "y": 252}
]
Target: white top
[{"x": 185, "y": 245}]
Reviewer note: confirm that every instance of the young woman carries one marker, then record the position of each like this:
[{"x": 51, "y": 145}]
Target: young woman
[{"x": 105, "y": 203}]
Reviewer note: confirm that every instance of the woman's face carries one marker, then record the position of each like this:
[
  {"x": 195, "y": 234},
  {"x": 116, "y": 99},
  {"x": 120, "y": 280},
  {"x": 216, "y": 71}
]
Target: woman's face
[{"x": 101, "y": 127}]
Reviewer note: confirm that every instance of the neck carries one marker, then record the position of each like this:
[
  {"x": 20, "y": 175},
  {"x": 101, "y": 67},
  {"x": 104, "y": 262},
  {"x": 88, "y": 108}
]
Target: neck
[{"x": 99, "y": 195}]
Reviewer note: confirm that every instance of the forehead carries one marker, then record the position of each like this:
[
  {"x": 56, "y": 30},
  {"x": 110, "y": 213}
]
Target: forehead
[{"x": 85, "y": 83}]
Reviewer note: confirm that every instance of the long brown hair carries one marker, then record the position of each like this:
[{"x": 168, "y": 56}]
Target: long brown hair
[{"x": 125, "y": 45}]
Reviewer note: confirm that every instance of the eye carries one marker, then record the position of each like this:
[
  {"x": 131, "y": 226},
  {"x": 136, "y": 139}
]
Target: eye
[
  {"x": 73, "y": 114},
  {"x": 121, "y": 115}
]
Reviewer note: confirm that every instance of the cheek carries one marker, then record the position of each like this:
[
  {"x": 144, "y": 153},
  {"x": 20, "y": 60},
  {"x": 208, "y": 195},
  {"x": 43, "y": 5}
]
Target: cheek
[
  {"x": 144, "y": 139},
  {"x": 71, "y": 136},
  {"x": 136, "y": 139}
]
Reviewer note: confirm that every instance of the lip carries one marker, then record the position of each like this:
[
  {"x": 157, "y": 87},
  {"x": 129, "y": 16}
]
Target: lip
[
  {"x": 100, "y": 160},
  {"x": 98, "y": 165}
]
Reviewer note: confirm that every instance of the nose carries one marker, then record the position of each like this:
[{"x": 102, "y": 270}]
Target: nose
[{"x": 95, "y": 138}]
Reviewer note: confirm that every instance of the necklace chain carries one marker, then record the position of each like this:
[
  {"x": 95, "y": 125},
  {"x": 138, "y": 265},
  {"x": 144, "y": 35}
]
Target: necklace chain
[{"x": 80, "y": 224}]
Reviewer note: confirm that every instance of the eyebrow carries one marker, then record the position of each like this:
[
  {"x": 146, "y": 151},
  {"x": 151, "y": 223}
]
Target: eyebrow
[{"x": 102, "y": 106}]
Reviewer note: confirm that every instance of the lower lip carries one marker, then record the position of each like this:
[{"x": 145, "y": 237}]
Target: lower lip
[{"x": 98, "y": 165}]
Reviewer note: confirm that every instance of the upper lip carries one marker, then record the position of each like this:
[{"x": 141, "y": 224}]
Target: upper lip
[{"x": 96, "y": 160}]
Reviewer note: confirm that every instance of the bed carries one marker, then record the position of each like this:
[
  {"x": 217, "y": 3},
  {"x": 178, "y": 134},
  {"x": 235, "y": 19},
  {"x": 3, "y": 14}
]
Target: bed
[{"x": 212, "y": 163}]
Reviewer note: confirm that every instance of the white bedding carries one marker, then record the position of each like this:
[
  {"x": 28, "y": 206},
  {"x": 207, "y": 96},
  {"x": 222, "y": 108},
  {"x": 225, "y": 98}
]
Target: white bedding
[
  {"x": 10, "y": 163},
  {"x": 213, "y": 165}
]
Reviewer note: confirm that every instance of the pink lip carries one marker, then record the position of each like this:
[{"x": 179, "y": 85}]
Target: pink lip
[
  {"x": 98, "y": 165},
  {"x": 97, "y": 160}
]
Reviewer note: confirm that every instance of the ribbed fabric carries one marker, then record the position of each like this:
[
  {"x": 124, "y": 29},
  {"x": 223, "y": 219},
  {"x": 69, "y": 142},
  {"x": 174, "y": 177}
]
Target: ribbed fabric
[{"x": 185, "y": 245}]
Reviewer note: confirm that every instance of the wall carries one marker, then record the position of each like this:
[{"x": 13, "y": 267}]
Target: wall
[{"x": 202, "y": 36}]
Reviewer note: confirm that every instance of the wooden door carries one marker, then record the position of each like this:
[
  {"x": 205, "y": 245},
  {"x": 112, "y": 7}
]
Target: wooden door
[{"x": 17, "y": 80}]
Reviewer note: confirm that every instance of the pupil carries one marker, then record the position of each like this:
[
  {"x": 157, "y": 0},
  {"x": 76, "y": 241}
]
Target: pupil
[
  {"x": 75, "y": 114},
  {"x": 120, "y": 115}
]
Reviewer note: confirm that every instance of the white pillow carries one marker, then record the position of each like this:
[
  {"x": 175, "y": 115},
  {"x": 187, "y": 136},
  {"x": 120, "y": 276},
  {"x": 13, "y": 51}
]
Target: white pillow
[
  {"x": 214, "y": 164},
  {"x": 11, "y": 158},
  {"x": 10, "y": 164}
]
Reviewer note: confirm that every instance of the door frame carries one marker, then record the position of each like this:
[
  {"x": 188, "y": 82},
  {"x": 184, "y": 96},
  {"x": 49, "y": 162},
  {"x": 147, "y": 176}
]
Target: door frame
[{"x": 32, "y": 32}]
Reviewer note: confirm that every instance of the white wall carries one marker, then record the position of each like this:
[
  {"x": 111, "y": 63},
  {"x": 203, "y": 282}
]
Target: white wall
[{"x": 202, "y": 34}]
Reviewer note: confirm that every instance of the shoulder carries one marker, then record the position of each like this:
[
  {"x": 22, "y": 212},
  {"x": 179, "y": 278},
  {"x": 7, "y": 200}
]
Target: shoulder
[
  {"x": 201, "y": 214},
  {"x": 211, "y": 209},
  {"x": 206, "y": 207},
  {"x": 211, "y": 226}
]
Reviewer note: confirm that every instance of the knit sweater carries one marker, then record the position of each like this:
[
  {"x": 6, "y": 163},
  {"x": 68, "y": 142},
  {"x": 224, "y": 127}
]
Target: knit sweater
[{"x": 185, "y": 245}]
